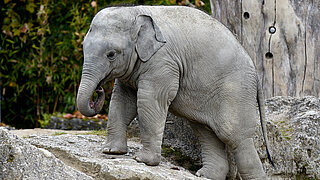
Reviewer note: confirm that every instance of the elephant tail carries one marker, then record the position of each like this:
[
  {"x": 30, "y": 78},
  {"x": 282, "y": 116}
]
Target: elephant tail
[{"x": 260, "y": 100}]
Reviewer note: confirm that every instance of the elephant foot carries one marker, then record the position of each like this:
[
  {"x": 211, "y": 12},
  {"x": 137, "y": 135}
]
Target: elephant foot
[
  {"x": 115, "y": 148},
  {"x": 149, "y": 158},
  {"x": 209, "y": 173},
  {"x": 248, "y": 161},
  {"x": 202, "y": 172}
]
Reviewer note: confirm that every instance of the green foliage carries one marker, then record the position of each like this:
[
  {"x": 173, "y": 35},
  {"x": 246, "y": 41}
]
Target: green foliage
[
  {"x": 10, "y": 158},
  {"x": 97, "y": 132},
  {"x": 45, "y": 120},
  {"x": 41, "y": 55},
  {"x": 59, "y": 133}
]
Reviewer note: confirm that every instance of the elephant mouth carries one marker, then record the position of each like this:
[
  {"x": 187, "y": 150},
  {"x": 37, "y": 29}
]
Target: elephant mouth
[{"x": 98, "y": 103}]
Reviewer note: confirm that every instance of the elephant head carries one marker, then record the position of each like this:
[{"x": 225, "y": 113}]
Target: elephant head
[{"x": 113, "y": 44}]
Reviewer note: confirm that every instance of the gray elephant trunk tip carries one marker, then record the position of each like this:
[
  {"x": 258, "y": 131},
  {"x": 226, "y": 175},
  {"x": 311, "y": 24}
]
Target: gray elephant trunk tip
[{"x": 89, "y": 107}]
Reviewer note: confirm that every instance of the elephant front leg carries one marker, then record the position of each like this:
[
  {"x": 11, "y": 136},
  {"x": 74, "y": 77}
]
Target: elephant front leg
[
  {"x": 152, "y": 104},
  {"x": 122, "y": 111}
]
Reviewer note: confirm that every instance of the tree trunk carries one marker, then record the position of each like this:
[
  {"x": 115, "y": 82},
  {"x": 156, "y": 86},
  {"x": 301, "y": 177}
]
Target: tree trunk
[{"x": 283, "y": 39}]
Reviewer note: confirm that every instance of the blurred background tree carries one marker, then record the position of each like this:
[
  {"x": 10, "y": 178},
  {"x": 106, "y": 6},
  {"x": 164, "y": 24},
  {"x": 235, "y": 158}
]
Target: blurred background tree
[{"x": 41, "y": 54}]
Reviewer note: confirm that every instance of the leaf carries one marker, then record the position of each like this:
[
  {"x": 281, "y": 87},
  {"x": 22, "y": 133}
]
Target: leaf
[
  {"x": 14, "y": 61},
  {"x": 6, "y": 1},
  {"x": 16, "y": 32},
  {"x": 10, "y": 41},
  {"x": 8, "y": 33},
  {"x": 12, "y": 84},
  {"x": 94, "y": 4},
  {"x": 35, "y": 47},
  {"x": 49, "y": 79},
  {"x": 24, "y": 28},
  {"x": 30, "y": 7}
]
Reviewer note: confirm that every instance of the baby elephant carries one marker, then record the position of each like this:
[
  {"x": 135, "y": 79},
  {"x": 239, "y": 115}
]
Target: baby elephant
[{"x": 175, "y": 59}]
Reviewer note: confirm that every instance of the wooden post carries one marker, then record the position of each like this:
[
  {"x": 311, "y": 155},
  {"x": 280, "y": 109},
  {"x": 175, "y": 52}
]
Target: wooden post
[{"x": 283, "y": 39}]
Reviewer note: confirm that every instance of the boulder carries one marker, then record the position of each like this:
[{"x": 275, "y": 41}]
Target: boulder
[
  {"x": 294, "y": 137},
  {"x": 21, "y": 160},
  {"x": 79, "y": 156}
]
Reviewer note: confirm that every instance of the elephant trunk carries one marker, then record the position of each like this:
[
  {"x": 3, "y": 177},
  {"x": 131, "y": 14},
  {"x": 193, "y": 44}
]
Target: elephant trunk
[{"x": 85, "y": 105}]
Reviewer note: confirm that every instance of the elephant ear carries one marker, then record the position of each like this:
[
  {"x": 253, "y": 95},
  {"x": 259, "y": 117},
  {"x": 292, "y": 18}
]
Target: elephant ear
[{"x": 147, "y": 36}]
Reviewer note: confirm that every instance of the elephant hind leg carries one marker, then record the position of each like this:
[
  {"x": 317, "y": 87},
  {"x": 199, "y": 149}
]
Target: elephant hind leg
[
  {"x": 214, "y": 156},
  {"x": 249, "y": 164},
  {"x": 235, "y": 125}
]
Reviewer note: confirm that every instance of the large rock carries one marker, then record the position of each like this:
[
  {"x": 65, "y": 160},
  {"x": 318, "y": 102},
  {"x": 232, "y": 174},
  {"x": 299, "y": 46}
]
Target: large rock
[
  {"x": 294, "y": 137},
  {"x": 68, "y": 156},
  {"x": 21, "y": 160}
]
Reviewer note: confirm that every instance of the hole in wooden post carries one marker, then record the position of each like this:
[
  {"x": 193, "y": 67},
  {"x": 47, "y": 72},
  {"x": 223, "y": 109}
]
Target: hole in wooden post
[
  {"x": 246, "y": 15},
  {"x": 269, "y": 55},
  {"x": 272, "y": 29}
]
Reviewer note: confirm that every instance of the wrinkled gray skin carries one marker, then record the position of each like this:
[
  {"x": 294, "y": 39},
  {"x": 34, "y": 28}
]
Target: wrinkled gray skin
[{"x": 178, "y": 59}]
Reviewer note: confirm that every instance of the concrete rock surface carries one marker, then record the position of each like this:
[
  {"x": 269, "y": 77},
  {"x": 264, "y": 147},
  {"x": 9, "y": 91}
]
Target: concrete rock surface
[
  {"x": 294, "y": 137},
  {"x": 69, "y": 156},
  {"x": 21, "y": 160}
]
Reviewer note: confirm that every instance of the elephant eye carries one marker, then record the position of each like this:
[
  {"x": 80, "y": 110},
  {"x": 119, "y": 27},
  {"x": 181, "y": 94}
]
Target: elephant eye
[{"x": 111, "y": 54}]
